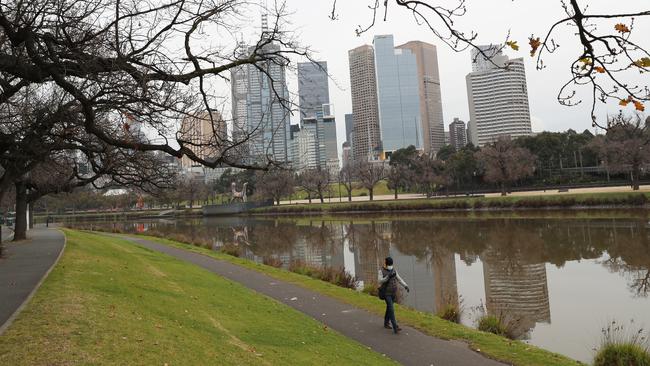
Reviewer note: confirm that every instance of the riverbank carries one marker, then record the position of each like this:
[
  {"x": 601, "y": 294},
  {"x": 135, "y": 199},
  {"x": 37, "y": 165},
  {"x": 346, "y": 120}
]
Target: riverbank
[
  {"x": 513, "y": 352},
  {"x": 110, "y": 302},
  {"x": 479, "y": 204}
]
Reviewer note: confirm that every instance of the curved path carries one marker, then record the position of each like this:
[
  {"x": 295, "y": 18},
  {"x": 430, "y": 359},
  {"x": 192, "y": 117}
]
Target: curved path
[
  {"x": 411, "y": 347},
  {"x": 24, "y": 267}
]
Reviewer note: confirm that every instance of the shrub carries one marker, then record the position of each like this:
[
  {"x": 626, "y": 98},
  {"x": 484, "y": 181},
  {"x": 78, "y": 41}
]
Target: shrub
[
  {"x": 231, "y": 250},
  {"x": 371, "y": 288},
  {"x": 622, "y": 355},
  {"x": 344, "y": 279},
  {"x": 272, "y": 261},
  {"x": 620, "y": 347},
  {"x": 492, "y": 324},
  {"x": 452, "y": 310}
]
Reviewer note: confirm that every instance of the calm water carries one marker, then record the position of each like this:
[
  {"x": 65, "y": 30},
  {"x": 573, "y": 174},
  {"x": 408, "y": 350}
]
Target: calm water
[{"x": 557, "y": 281}]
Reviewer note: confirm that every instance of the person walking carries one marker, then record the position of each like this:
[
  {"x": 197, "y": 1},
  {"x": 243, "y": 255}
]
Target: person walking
[{"x": 388, "y": 280}]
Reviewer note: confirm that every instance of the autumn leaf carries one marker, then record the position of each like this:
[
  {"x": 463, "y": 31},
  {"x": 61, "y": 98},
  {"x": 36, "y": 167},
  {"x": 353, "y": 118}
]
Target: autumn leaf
[
  {"x": 599, "y": 69},
  {"x": 624, "y": 102},
  {"x": 644, "y": 62},
  {"x": 639, "y": 106},
  {"x": 535, "y": 43},
  {"x": 622, "y": 28},
  {"x": 513, "y": 45}
]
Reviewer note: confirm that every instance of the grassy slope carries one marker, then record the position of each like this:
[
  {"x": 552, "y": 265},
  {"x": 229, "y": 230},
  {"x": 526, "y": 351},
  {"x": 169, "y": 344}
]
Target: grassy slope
[
  {"x": 500, "y": 348},
  {"x": 114, "y": 303},
  {"x": 597, "y": 199}
]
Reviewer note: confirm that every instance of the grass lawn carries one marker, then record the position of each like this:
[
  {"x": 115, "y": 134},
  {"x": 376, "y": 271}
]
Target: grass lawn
[
  {"x": 110, "y": 302},
  {"x": 500, "y": 348},
  {"x": 380, "y": 189}
]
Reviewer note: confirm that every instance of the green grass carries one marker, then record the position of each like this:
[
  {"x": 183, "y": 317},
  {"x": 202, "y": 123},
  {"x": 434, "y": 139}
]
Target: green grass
[
  {"x": 110, "y": 302},
  {"x": 493, "y": 346},
  {"x": 473, "y": 203},
  {"x": 381, "y": 189}
]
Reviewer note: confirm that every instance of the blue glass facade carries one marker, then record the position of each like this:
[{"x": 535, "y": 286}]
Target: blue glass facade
[{"x": 398, "y": 95}]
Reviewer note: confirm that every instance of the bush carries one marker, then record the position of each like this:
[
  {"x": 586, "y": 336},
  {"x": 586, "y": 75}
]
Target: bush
[
  {"x": 452, "y": 310},
  {"x": 272, "y": 261},
  {"x": 231, "y": 250},
  {"x": 620, "y": 347},
  {"x": 492, "y": 324},
  {"x": 371, "y": 288},
  {"x": 622, "y": 355}
]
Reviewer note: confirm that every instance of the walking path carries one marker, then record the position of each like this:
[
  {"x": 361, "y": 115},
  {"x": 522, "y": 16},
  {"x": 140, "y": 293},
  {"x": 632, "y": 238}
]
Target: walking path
[
  {"x": 411, "y": 347},
  {"x": 24, "y": 267}
]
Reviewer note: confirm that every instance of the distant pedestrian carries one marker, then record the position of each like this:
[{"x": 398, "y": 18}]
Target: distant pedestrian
[{"x": 388, "y": 280}]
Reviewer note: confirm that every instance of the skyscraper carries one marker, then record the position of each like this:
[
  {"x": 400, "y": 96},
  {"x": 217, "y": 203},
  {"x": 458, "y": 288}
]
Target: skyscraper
[
  {"x": 316, "y": 114},
  {"x": 398, "y": 95},
  {"x": 349, "y": 127},
  {"x": 261, "y": 105},
  {"x": 457, "y": 134},
  {"x": 498, "y": 98},
  {"x": 366, "y": 142},
  {"x": 313, "y": 88},
  {"x": 430, "y": 94},
  {"x": 203, "y": 135}
]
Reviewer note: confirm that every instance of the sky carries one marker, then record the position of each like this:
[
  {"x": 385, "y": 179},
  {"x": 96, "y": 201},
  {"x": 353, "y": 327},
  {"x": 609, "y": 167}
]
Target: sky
[{"x": 492, "y": 20}]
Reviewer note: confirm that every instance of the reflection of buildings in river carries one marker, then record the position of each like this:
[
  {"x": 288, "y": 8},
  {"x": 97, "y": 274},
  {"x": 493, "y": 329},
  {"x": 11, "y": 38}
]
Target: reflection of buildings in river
[
  {"x": 370, "y": 249},
  {"x": 443, "y": 263},
  {"x": 516, "y": 291}
]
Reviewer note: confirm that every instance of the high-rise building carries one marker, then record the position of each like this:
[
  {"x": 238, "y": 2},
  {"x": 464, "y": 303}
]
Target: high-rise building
[
  {"x": 457, "y": 134},
  {"x": 316, "y": 114},
  {"x": 349, "y": 127},
  {"x": 261, "y": 106},
  {"x": 313, "y": 88},
  {"x": 498, "y": 98},
  {"x": 323, "y": 127},
  {"x": 366, "y": 142},
  {"x": 398, "y": 95},
  {"x": 303, "y": 151},
  {"x": 203, "y": 135},
  {"x": 430, "y": 94}
]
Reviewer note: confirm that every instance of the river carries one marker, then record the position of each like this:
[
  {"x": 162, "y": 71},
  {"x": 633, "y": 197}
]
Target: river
[{"x": 556, "y": 278}]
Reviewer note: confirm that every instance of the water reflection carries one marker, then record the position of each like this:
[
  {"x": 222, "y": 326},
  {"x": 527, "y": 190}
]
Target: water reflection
[{"x": 516, "y": 256}]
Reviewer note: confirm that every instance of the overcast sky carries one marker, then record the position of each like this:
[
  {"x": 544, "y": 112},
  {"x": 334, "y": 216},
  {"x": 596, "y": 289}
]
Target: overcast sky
[{"x": 491, "y": 20}]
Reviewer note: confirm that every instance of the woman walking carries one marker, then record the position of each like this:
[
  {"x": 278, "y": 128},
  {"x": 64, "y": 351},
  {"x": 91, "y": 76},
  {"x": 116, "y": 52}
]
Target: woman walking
[{"x": 388, "y": 280}]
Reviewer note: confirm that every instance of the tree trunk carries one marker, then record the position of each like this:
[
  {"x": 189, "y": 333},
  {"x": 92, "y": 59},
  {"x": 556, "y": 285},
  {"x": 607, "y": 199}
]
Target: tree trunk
[
  {"x": 395, "y": 193},
  {"x": 636, "y": 174},
  {"x": 504, "y": 192},
  {"x": 20, "y": 230},
  {"x": 309, "y": 198},
  {"x": 350, "y": 196},
  {"x": 371, "y": 191},
  {"x": 322, "y": 199}
]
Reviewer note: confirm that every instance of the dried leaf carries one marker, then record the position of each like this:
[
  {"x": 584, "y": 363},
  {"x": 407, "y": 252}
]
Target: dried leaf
[
  {"x": 513, "y": 45},
  {"x": 639, "y": 106},
  {"x": 535, "y": 43},
  {"x": 622, "y": 28},
  {"x": 599, "y": 69},
  {"x": 644, "y": 62}
]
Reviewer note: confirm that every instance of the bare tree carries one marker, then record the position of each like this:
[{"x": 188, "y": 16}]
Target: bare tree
[
  {"x": 505, "y": 163},
  {"x": 430, "y": 174},
  {"x": 275, "y": 184},
  {"x": 346, "y": 178},
  {"x": 398, "y": 177},
  {"x": 369, "y": 173},
  {"x": 116, "y": 64},
  {"x": 607, "y": 57},
  {"x": 626, "y": 146},
  {"x": 315, "y": 182}
]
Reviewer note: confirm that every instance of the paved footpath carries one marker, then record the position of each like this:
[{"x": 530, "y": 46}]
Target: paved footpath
[
  {"x": 23, "y": 268},
  {"x": 411, "y": 347}
]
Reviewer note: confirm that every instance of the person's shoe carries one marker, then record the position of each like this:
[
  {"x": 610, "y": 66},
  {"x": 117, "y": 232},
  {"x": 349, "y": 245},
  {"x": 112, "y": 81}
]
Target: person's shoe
[
  {"x": 398, "y": 330},
  {"x": 387, "y": 326}
]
